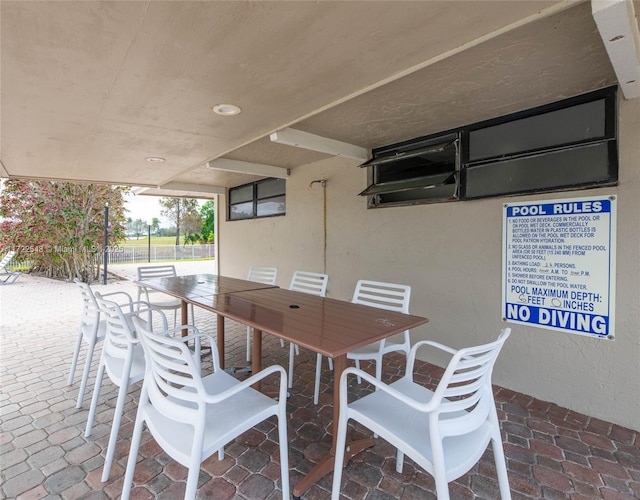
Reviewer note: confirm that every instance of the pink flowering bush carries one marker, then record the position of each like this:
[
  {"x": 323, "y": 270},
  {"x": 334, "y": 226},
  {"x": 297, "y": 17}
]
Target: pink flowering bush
[{"x": 58, "y": 227}]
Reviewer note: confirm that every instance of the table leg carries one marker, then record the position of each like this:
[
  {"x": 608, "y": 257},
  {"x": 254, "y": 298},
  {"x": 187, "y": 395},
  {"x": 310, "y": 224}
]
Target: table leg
[
  {"x": 220, "y": 338},
  {"x": 184, "y": 312},
  {"x": 256, "y": 356},
  {"x": 184, "y": 317},
  {"x": 324, "y": 466}
]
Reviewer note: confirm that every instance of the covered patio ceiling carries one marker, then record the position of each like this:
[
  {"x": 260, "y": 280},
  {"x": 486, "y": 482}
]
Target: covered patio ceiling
[{"x": 91, "y": 90}]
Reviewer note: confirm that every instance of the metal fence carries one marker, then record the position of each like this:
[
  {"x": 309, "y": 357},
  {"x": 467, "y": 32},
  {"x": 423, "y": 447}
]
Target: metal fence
[
  {"x": 130, "y": 254},
  {"x": 126, "y": 254}
]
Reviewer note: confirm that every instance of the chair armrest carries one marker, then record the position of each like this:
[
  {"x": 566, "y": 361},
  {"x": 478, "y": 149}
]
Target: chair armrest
[
  {"x": 437, "y": 345},
  {"x": 423, "y": 407},
  {"x": 149, "y": 309},
  {"x": 129, "y": 300},
  {"x": 142, "y": 289},
  {"x": 140, "y": 304},
  {"x": 194, "y": 334},
  {"x": 247, "y": 383},
  {"x": 414, "y": 350}
]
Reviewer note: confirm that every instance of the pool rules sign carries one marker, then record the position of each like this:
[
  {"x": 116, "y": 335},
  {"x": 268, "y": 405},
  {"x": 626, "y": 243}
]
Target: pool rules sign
[{"x": 558, "y": 269}]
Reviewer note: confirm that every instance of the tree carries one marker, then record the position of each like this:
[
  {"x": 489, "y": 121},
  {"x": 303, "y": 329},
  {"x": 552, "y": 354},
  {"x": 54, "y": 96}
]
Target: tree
[
  {"x": 192, "y": 239},
  {"x": 179, "y": 211},
  {"x": 192, "y": 224},
  {"x": 59, "y": 226},
  {"x": 207, "y": 212},
  {"x": 136, "y": 227},
  {"x": 155, "y": 225}
]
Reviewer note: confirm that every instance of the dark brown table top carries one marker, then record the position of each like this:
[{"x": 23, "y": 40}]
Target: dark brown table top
[
  {"x": 328, "y": 326},
  {"x": 197, "y": 285}
]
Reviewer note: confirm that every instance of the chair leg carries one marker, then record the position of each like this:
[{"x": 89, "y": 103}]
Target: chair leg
[
  {"x": 341, "y": 440},
  {"x": 74, "y": 360},
  {"x": 439, "y": 470},
  {"x": 194, "y": 472},
  {"x": 501, "y": 468},
  {"x": 133, "y": 456},
  {"x": 399, "y": 461},
  {"x": 378, "y": 362},
  {"x": 358, "y": 367},
  {"x": 94, "y": 400},
  {"x": 284, "y": 457},
  {"x": 291, "y": 361},
  {"x": 316, "y": 389},
  {"x": 85, "y": 373},
  {"x": 115, "y": 427},
  {"x": 248, "y": 343}
]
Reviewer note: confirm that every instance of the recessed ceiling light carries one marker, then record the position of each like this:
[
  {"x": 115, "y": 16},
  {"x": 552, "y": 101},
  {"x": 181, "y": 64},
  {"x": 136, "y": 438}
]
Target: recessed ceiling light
[
  {"x": 226, "y": 109},
  {"x": 154, "y": 159}
]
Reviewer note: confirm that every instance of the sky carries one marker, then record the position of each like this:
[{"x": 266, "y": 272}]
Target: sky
[{"x": 145, "y": 208}]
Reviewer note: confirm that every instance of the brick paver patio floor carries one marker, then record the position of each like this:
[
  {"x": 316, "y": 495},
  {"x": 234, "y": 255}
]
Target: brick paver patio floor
[{"x": 551, "y": 452}]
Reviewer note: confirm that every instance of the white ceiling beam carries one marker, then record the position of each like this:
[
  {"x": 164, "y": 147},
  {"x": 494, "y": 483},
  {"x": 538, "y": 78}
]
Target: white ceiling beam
[
  {"x": 618, "y": 28},
  {"x": 245, "y": 167},
  {"x": 194, "y": 188},
  {"x": 305, "y": 140}
]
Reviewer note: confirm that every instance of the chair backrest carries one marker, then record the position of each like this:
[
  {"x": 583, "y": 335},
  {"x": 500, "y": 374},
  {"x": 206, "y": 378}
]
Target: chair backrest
[
  {"x": 119, "y": 338},
  {"x": 149, "y": 272},
  {"x": 6, "y": 259},
  {"x": 464, "y": 391},
  {"x": 90, "y": 310},
  {"x": 266, "y": 275},
  {"x": 312, "y": 283},
  {"x": 170, "y": 369},
  {"x": 389, "y": 296}
]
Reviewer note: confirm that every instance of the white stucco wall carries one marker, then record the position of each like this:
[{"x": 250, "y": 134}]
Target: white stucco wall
[{"x": 450, "y": 253}]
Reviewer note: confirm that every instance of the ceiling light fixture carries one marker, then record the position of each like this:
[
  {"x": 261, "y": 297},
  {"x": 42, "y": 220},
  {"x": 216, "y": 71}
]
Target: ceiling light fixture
[
  {"x": 154, "y": 159},
  {"x": 226, "y": 109}
]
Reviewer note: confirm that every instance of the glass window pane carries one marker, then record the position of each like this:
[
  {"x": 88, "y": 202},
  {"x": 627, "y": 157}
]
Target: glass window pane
[
  {"x": 442, "y": 192},
  {"x": 435, "y": 161},
  {"x": 271, "y": 206},
  {"x": 240, "y": 194},
  {"x": 241, "y": 211},
  {"x": 427, "y": 182},
  {"x": 271, "y": 187},
  {"x": 574, "y": 167},
  {"x": 561, "y": 127}
]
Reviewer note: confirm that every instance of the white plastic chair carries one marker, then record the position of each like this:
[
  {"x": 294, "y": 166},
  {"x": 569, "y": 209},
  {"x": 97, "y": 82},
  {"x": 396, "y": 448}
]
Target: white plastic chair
[
  {"x": 92, "y": 331},
  {"x": 192, "y": 417},
  {"x": 123, "y": 360},
  {"x": 156, "y": 298},
  {"x": 388, "y": 296},
  {"x": 314, "y": 284},
  {"x": 11, "y": 276},
  {"x": 6, "y": 259},
  {"x": 446, "y": 431},
  {"x": 264, "y": 275}
]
